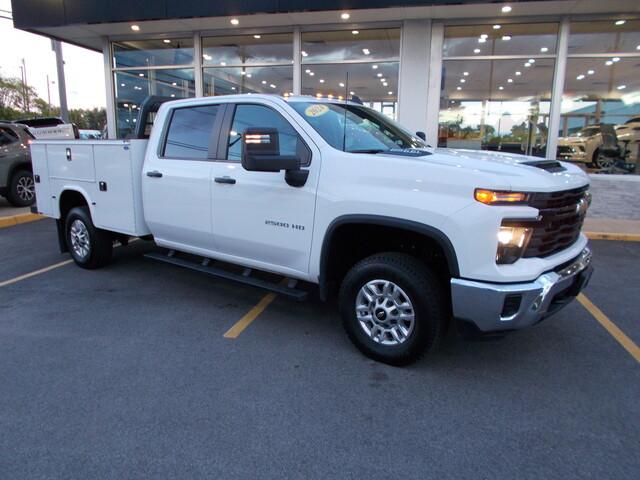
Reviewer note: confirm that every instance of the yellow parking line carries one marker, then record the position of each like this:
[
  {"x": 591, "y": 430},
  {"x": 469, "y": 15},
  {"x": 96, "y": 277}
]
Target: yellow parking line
[
  {"x": 250, "y": 316},
  {"x": 622, "y": 237},
  {"x": 33, "y": 274},
  {"x": 18, "y": 219},
  {"x": 610, "y": 327}
]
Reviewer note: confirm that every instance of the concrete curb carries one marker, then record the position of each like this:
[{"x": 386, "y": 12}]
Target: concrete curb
[
  {"x": 621, "y": 237},
  {"x": 18, "y": 219}
]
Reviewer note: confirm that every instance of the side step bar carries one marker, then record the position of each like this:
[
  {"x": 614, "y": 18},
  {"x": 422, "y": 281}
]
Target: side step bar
[{"x": 205, "y": 267}]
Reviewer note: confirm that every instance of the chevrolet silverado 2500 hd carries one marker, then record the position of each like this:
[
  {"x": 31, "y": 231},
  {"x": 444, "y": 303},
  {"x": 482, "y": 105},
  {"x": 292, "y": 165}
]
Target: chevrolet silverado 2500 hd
[{"x": 335, "y": 194}]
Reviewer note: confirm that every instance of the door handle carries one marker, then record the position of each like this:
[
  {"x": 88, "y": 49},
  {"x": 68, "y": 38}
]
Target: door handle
[
  {"x": 154, "y": 174},
  {"x": 229, "y": 180}
]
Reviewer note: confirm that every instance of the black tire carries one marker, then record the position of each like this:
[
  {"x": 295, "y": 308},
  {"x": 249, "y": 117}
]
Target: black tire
[
  {"x": 100, "y": 242},
  {"x": 422, "y": 288},
  {"x": 21, "y": 191}
]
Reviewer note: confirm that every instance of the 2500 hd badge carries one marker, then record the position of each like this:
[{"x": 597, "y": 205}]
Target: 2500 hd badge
[{"x": 275, "y": 223}]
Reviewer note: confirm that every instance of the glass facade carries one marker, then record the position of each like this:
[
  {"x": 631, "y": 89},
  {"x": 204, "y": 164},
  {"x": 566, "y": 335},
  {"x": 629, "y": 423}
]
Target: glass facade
[
  {"x": 499, "y": 87},
  {"x": 355, "y": 64}
]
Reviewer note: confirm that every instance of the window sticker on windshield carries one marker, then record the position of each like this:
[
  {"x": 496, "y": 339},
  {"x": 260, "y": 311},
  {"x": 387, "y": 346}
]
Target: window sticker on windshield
[{"x": 316, "y": 110}]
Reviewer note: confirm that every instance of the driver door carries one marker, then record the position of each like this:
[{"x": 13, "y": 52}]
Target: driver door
[{"x": 258, "y": 219}]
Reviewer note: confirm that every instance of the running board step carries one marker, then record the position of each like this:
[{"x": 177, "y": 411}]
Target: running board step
[{"x": 238, "y": 277}]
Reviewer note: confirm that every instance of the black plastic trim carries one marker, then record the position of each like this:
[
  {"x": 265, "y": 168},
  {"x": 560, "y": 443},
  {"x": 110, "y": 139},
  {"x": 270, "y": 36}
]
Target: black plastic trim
[{"x": 421, "y": 228}]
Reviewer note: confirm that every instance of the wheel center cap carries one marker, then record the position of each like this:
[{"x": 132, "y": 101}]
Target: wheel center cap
[{"x": 381, "y": 314}]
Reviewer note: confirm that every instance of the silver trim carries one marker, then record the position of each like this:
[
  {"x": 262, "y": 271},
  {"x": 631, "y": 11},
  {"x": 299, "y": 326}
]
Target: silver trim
[{"x": 481, "y": 302}]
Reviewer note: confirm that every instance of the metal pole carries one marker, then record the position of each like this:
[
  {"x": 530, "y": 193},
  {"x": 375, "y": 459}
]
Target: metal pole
[
  {"x": 48, "y": 93},
  {"x": 555, "y": 108},
  {"x": 62, "y": 86}
]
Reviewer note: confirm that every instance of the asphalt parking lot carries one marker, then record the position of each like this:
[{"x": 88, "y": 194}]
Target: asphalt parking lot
[{"x": 125, "y": 373}]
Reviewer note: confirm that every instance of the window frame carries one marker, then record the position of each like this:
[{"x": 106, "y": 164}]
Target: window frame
[
  {"x": 223, "y": 143},
  {"x": 212, "y": 149},
  {"x": 11, "y": 135}
]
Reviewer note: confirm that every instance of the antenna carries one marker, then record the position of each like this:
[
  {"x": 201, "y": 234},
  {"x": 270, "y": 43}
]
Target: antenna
[{"x": 344, "y": 126}]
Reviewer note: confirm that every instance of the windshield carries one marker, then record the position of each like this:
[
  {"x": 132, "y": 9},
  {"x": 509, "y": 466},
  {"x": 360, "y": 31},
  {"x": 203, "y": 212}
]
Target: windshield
[
  {"x": 586, "y": 132},
  {"x": 354, "y": 128}
]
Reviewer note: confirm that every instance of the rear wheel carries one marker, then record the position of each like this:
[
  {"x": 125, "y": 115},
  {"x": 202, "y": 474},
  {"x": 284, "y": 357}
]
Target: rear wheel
[
  {"x": 393, "y": 308},
  {"x": 89, "y": 246},
  {"x": 22, "y": 191},
  {"x": 602, "y": 161}
]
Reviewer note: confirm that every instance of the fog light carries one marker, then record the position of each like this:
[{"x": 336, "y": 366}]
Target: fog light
[{"x": 512, "y": 241}]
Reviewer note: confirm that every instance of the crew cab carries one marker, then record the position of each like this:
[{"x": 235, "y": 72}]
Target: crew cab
[{"x": 333, "y": 194}]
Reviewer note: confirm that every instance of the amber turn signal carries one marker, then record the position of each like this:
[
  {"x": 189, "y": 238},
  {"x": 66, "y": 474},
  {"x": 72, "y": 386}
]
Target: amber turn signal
[{"x": 491, "y": 197}]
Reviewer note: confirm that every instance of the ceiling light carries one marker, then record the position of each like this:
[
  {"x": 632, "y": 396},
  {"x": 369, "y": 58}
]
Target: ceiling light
[
  {"x": 311, "y": 74},
  {"x": 615, "y": 59},
  {"x": 518, "y": 73},
  {"x": 257, "y": 36},
  {"x": 173, "y": 95},
  {"x": 497, "y": 27},
  {"x": 580, "y": 77},
  {"x": 458, "y": 88},
  {"x": 135, "y": 28},
  {"x": 375, "y": 67},
  {"x": 174, "y": 83},
  {"x": 500, "y": 87},
  {"x": 352, "y": 93},
  {"x": 243, "y": 73},
  {"x": 206, "y": 57},
  {"x": 622, "y": 87},
  {"x": 506, "y": 9},
  {"x": 166, "y": 40},
  {"x": 379, "y": 75},
  {"x": 272, "y": 85},
  {"x": 341, "y": 84},
  {"x": 608, "y": 63},
  {"x": 506, "y": 38},
  {"x": 484, "y": 36},
  {"x": 462, "y": 80},
  {"x": 249, "y": 75},
  {"x": 330, "y": 95},
  {"x": 509, "y": 80},
  {"x": 304, "y": 54},
  {"x": 355, "y": 32},
  {"x": 637, "y": 47},
  {"x": 125, "y": 105},
  {"x": 531, "y": 60},
  {"x": 322, "y": 80},
  {"x": 234, "y": 21},
  {"x": 122, "y": 84},
  {"x": 476, "y": 50},
  {"x": 223, "y": 64},
  {"x": 383, "y": 80},
  {"x": 345, "y": 16},
  {"x": 307, "y": 71},
  {"x": 527, "y": 64},
  {"x": 385, "y": 84},
  {"x": 544, "y": 49},
  {"x": 141, "y": 74},
  {"x": 482, "y": 40},
  {"x": 339, "y": 97},
  {"x": 390, "y": 92},
  {"x": 319, "y": 95},
  {"x": 621, "y": 22},
  {"x": 233, "y": 88},
  {"x": 366, "y": 51},
  {"x": 466, "y": 74},
  {"x": 591, "y": 72},
  {"x": 264, "y": 82}
]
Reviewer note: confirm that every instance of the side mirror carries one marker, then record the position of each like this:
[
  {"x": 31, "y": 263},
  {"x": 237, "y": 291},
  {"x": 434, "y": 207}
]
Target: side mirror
[
  {"x": 421, "y": 135},
  {"x": 261, "y": 152}
]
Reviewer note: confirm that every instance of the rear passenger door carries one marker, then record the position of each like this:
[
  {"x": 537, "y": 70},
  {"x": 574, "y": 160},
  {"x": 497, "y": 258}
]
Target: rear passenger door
[{"x": 177, "y": 178}]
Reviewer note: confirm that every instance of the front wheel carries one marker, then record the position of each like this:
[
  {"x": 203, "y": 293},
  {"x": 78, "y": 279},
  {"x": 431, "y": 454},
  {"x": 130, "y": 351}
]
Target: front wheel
[
  {"x": 393, "y": 308},
  {"x": 89, "y": 246},
  {"x": 22, "y": 191}
]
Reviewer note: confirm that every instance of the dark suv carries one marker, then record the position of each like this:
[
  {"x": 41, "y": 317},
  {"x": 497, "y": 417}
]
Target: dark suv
[{"x": 16, "y": 179}]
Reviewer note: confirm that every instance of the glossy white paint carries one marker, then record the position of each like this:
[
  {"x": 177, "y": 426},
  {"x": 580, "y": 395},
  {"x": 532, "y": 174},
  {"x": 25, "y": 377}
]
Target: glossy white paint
[{"x": 187, "y": 210}]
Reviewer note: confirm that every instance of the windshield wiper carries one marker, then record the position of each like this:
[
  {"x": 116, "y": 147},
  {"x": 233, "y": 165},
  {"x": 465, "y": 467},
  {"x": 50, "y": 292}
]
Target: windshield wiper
[{"x": 369, "y": 150}]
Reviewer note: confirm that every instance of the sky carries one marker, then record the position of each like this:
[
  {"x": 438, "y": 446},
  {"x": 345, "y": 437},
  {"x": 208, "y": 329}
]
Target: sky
[{"x": 84, "y": 69}]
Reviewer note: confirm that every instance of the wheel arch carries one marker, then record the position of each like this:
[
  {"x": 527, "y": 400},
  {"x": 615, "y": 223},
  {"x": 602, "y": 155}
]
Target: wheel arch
[
  {"x": 423, "y": 231},
  {"x": 70, "y": 197}
]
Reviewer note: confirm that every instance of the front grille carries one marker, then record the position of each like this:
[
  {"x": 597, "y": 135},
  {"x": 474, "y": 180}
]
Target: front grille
[
  {"x": 565, "y": 149},
  {"x": 559, "y": 222}
]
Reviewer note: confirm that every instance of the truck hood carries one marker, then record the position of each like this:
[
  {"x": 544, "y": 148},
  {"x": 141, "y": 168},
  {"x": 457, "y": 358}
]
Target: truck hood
[{"x": 511, "y": 171}]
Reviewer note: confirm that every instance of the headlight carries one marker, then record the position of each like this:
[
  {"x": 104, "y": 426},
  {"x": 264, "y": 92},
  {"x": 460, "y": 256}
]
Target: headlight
[
  {"x": 493, "y": 197},
  {"x": 512, "y": 242}
]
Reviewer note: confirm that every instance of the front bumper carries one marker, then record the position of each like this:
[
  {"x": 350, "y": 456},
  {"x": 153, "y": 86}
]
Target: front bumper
[{"x": 493, "y": 307}]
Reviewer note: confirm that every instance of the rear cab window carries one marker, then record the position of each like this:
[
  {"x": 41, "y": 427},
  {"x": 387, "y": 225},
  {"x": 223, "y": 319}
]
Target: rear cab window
[{"x": 191, "y": 132}]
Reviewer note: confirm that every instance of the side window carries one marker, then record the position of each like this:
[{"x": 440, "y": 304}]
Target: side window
[
  {"x": 248, "y": 116},
  {"x": 7, "y": 137},
  {"x": 189, "y": 132}
]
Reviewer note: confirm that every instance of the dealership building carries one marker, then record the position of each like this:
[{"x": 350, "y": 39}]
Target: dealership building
[{"x": 514, "y": 76}]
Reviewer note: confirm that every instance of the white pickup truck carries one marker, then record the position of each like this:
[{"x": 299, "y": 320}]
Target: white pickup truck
[{"x": 335, "y": 194}]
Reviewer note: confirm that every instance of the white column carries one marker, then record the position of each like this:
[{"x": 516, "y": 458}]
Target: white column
[
  {"x": 414, "y": 74},
  {"x": 109, "y": 89},
  {"x": 435, "y": 78},
  {"x": 297, "y": 68},
  {"x": 197, "y": 64},
  {"x": 557, "y": 89}
]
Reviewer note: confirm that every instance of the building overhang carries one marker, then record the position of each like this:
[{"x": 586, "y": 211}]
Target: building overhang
[{"x": 87, "y": 22}]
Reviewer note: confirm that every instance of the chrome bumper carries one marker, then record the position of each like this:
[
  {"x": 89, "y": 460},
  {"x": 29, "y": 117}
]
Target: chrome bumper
[{"x": 494, "y": 306}]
